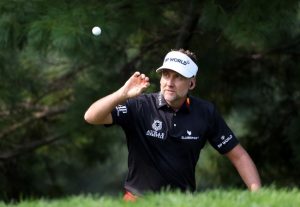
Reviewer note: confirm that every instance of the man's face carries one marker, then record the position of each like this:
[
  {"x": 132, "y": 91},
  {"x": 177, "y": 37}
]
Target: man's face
[{"x": 175, "y": 87}]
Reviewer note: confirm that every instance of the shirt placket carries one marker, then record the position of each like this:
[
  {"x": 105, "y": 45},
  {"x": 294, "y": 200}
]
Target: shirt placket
[{"x": 174, "y": 123}]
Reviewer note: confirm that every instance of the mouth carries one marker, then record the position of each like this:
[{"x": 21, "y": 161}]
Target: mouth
[{"x": 169, "y": 91}]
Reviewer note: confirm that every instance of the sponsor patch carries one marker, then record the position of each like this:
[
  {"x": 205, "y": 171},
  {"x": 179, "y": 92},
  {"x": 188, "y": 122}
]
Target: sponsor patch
[
  {"x": 189, "y": 136},
  {"x": 156, "y": 126},
  {"x": 224, "y": 140},
  {"x": 121, "y": 109}
]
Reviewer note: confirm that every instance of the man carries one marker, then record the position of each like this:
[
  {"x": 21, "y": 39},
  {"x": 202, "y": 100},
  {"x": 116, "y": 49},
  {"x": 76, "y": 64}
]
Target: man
[{"x": 166, "y": 131}]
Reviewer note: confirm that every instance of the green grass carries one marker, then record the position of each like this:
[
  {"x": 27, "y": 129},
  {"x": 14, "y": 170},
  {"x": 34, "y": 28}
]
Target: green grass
[{"x": 212, "y": 198}]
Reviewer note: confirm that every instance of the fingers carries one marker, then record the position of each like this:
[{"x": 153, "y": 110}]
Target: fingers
[
  {"x": 137, "y": 74},
  {"x": 142, "y": 76},
  {"x": 135, "y": 85},
  {"x": 145, "y": 80},
  {"x": 141, "y": 79}
]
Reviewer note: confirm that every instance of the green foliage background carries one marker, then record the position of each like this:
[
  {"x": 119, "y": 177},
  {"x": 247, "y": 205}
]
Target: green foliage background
[{"x": 52, "y": 68}]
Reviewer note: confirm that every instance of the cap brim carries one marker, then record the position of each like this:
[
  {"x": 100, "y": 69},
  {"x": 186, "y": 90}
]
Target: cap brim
[{"x": 184, "y": 74}]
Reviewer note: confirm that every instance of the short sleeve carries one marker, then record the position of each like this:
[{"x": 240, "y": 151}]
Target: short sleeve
[
  {"x": 121, "y": 114},
  {"x": 220, "y": 135}
]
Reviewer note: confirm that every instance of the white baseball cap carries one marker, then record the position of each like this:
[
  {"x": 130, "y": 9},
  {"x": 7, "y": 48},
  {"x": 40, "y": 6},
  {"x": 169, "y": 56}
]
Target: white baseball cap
[{"x": 180, "y": 63}]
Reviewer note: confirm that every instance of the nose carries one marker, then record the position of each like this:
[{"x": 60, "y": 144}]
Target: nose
[{"x": 170, "y": 82}]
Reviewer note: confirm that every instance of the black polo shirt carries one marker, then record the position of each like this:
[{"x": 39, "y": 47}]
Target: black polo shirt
[{"x": 164, "y": 145}]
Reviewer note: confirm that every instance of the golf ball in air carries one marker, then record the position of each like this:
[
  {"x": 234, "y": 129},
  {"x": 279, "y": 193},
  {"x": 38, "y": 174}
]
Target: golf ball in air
[{"x": 96, "y": 30}]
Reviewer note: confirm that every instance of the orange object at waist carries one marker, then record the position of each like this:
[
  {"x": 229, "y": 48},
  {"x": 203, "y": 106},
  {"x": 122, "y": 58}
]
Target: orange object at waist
[{"x": 128, "y": 196}]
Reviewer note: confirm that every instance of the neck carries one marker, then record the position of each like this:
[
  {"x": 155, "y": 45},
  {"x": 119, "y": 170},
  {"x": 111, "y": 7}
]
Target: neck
[{"x": 176, "y": 104}]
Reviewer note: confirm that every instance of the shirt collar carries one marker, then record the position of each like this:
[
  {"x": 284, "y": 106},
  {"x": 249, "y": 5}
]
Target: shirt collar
[{"x": 161, "y": 103}]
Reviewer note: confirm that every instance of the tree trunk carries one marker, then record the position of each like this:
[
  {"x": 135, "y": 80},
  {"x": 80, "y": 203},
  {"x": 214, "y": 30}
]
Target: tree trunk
[{"x": 189, "y": 25}]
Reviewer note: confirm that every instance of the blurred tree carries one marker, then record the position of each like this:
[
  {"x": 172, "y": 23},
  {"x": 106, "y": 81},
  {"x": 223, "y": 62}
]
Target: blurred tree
[
  {"x": 257, "y": 77},
  {"x": 52, "y": 68}
]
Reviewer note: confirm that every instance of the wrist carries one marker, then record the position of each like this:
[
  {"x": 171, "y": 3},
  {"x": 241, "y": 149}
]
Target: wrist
[{"x": 121, "y": 96}]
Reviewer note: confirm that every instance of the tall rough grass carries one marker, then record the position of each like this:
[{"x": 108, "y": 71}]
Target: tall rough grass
[{"x": 267, "y": 197}]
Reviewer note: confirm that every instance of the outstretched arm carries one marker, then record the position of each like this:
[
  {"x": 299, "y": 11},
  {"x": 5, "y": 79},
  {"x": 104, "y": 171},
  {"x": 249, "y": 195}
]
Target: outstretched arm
[
  {"x": 245, "y": 167},
  {"x": 100, "y": 111}
]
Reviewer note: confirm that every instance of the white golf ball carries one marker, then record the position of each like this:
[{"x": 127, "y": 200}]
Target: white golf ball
[{"x": 96, "y": 30}]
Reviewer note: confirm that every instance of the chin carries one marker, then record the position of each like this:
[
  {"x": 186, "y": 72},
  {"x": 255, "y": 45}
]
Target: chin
[{"x": 169, "y": 97}]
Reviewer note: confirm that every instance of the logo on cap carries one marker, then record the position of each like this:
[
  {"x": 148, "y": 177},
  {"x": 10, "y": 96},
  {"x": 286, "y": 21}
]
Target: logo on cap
[
  {"x": 177, "y": 60},
  {"x": 180, "y": 63}
]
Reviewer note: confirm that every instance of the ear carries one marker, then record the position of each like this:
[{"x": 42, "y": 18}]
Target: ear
[{"x": 192, "y": 84}]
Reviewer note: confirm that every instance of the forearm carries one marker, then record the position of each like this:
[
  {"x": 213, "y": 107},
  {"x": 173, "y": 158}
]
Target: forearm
[
  {"x": 248, "y": 172},
  {"x": 100, "y": 111},
  {"x": 245, "y": 167}
]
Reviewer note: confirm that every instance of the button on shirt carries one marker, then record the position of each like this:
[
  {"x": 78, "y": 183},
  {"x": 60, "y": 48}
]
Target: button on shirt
[{"x": 164, "y": 145}]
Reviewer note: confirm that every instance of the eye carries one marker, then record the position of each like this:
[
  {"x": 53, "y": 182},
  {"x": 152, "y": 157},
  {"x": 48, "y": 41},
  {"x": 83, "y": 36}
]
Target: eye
[
  {"x": 179, "y": 77},
  {"x": 165, "y": 74}
]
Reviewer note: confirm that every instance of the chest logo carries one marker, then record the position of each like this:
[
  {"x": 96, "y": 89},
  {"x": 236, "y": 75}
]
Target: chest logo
[
  {"x": 189, "y": 136},
  {"x": 157, "y": 125}
]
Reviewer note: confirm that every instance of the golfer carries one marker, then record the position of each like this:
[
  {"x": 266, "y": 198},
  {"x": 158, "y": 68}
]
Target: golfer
[{"x": 166, "y": 131}]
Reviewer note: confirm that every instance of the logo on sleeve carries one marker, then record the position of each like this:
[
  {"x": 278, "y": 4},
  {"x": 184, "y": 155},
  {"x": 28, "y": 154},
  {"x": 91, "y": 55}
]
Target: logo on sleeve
[
  {"x": 224, "y": 140},
  {"x": 121, "y": 109},
  {"x": 156, "y": 126}
]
